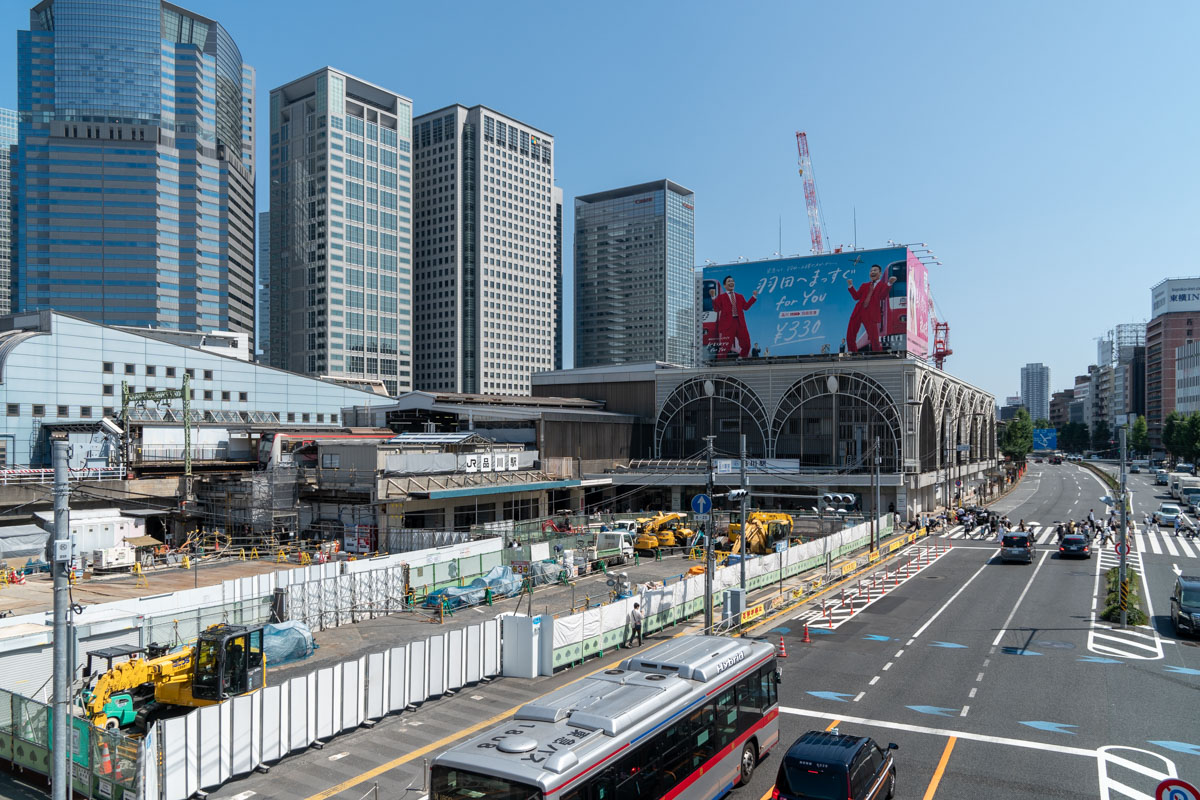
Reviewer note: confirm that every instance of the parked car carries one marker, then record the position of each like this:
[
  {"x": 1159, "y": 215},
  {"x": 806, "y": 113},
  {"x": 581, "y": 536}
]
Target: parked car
[
  {"x": 824, "y": 764},
  {"x": 1166, "y": 514},
  {"x": 1017, "y": 547},
  {"x": 1074, "y": 544},
  {"x": 1185, "y": 605}
]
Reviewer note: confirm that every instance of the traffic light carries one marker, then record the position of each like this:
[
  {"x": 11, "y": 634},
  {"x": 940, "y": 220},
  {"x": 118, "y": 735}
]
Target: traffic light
[{"x": 736, "y": 494}]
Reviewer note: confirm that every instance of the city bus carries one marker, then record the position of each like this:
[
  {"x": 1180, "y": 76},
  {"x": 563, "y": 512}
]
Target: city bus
[{"x": 688, "y": 718}]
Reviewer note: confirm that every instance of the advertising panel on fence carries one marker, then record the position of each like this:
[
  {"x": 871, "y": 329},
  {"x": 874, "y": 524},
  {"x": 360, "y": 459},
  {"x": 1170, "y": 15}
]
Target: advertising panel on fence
[{"x": 836, "y": 302}]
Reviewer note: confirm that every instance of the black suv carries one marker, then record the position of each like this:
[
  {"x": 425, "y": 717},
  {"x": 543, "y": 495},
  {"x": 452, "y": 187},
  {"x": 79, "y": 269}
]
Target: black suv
[
  {"x": 832, "y": 766},
  {"x": 1185, "y": 605}
]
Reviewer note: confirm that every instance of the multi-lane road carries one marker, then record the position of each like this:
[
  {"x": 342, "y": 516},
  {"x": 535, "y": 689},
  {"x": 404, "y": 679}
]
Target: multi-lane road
[{"x": 998, "y": 680}]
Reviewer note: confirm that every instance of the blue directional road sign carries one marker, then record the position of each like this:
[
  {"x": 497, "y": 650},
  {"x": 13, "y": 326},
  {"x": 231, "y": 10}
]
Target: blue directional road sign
[
  {"x": 1053, "y": 727},
  {"x": 701, "y": 504},
  {"x": 1045, "y": 439}
]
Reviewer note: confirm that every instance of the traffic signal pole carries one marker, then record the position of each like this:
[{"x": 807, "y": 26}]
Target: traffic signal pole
[
  {"x": 1123, "y": 537},
  {"x": 708, "y": 543}
]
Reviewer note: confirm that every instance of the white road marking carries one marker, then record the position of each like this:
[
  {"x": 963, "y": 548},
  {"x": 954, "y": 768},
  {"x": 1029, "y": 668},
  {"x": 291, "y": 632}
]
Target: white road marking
[
  {"x": 859, "y": 696},
  {"x": 974, "y": 689},
  {"x": 1170, "y": 545},
  {"x": 887, "y": 666},
  {"x": 975, "y": 737},
  {"x": 899, "y": 653},
  {"x": 953, "y": 597},
  {"x": 1186, "y": 548},
  {"x": 1175, "y": 568},
  {"x": 1154, "y": 545},
  {"x": 874, "y": 681},
  {"x": 339, "y": 756},
  {"x": 909, "y": 642},
  {"x": 243, "y": 796},
  {"x": 1105, "y": 757},
  {"x": 979, "y": 677},
  {"x": 1017, "y": 605},
  {"x": 963, "y": 713},
  {"x": 1139, "y": 543}
]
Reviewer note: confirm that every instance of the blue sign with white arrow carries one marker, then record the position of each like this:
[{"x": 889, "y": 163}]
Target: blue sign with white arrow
[
  {"x": 948, "y": 645},
  {"x": 1180, "y": 747},
  {"x": 701, "y": 504},
  {"x": 839, "y": 696},
  {"x": 1053, "y": 727},
  {"x": 936, "y": 711}
]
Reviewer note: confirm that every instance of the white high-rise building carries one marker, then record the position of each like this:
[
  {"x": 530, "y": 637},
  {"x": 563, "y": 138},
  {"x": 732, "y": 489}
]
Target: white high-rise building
[
  {"x": 485, "y": 241},
  {"x": 1035, "y": 390},
  {"x": 340, "y": 248}
]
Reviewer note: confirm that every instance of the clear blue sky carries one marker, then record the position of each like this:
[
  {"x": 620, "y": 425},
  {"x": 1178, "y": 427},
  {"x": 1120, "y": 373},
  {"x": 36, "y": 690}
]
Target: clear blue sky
[{"x": 1046, "y": 151}]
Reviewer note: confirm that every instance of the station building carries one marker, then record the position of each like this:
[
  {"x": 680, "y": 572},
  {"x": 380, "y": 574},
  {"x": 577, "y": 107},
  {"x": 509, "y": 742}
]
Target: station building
[{"x": 812, "y": 425}]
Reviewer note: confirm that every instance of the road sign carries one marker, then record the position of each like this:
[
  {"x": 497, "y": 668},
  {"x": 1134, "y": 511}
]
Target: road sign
[
  {"x": 701, "y": 517},
  {"x": 963, "y": 448},
  {"x": 701, "y": 504},
  {"x": 1122, "y": 549},
  {"x": 1045, "y": 439},
  {"x": 1175, "y": 789}
]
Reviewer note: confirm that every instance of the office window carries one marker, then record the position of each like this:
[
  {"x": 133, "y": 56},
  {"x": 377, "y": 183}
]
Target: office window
[
  {"x": 130, "y": 369},
  {"x": 291, "y": 417},
  {"x": 243, "y": 397},
  {"x": 39, "y": 411},
  {"x": 225, "y": 397},
  {"x": 170, "y": 372},
  {"x": 208, "y": 374},
  {"x": 14, "y": 409},
  {"x": 333, "y": 418},
  {"x": 64, "y": 411},
  {"x": 108, "y": 367},
  {"x": 108, "y": 390},
  {"x": 150, "y": 370},
  {"x": 304, "y": 417},
  {"x": 109, "y": 411},
  {"x": 208, "y": 395},
  {"x": 191, "y": 373},
  {"x": 85, "y": 412},
  {"x": 320, "y": 417}
]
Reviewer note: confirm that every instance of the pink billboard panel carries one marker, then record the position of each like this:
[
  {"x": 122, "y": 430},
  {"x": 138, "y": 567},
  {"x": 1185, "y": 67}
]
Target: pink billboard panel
[{"x": 920, "y": 308}]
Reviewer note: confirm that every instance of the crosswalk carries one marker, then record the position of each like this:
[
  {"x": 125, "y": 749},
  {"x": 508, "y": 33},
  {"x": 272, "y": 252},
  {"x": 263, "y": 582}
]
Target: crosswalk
[{"x": 1145, "y": 540}]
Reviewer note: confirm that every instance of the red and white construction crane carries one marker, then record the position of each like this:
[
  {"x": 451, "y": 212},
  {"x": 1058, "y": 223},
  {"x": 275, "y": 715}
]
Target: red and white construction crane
[
  {"x": 815, "y": 228},
  {"x": 941, "y": 343}
]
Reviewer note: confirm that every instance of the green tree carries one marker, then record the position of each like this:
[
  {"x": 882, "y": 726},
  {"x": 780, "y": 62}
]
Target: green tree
[
  {"x": 1101, "y": 434},
  {"x": 1192, "y": 436},
  {"x": 1017, "y": 441},
  {"x": 1171, "y": 433},
  {"x": 1139, "y": 436},
  {"x": 1073, "y": 437},
  {"x": 1042, "y": 422}
]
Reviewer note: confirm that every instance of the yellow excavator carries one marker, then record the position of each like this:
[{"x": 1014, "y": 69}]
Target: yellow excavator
[
  {"x": 763, "y": 529},
  {"x": 226, "y": 661},
  {"x": 661, "y": 530}
]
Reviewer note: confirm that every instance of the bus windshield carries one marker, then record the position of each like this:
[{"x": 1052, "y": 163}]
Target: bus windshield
[{"x": 456, "y": 784}]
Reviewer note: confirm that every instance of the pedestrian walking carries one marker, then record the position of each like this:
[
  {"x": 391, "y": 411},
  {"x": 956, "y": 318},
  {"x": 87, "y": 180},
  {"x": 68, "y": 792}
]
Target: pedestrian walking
[
  {"x": 635, "y": 625},
  {"x": 1177, "y": 524}
]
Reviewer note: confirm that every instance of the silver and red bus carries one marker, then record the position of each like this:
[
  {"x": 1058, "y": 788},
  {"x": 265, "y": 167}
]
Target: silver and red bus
[{"x": 689, "y": 718}]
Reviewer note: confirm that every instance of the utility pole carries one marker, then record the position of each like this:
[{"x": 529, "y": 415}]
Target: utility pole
[
  {"x": 1123, "y": 537},
  {"x": 61, "y": 562},
  {"x": 708, "y": 542},
  {"x": 877, "y": 459},
  {"x": 745, "y": 504}
]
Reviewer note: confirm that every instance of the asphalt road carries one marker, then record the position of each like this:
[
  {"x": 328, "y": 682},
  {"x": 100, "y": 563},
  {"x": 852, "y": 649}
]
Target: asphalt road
[{"x": 996, "y": 679}]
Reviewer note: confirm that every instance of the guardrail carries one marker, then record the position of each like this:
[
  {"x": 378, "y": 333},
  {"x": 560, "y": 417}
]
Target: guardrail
[{"x": 42, "y": 477}]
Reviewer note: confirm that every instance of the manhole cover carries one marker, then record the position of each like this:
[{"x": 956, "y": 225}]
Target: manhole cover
[{"x": 934, "y": 577}]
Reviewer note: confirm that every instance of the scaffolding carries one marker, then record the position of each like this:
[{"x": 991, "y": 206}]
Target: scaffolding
[{"x": 248, "y": 510}]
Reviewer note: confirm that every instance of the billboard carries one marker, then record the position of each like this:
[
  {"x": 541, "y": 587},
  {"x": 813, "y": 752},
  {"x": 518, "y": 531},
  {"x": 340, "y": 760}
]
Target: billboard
[
  {"x": 1175, "y": 294},
  {"x": 862, "y": 301}
]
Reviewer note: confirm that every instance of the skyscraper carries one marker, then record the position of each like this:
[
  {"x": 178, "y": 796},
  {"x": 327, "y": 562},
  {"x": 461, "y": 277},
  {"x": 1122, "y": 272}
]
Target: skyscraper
[
  {"x": 263, "y": 317},
  {"x": 8, "y": 140},
  {"x": 133, "y": 181},
  {"x": 1035, "y": 390},
  {"x": 485, "y": 269},
  {"x": 635, "y": 294},
  {"x": 341, "y": 195},
  {"x": 557, "y": 194}
]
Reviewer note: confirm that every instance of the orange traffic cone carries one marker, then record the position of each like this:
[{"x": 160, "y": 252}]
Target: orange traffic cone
[
  {"x": 105, "y": 760},
  {"x": 117, "y": 776},
  {"x": 806, "y": 640},
  {"x": 783, "y": 647}
]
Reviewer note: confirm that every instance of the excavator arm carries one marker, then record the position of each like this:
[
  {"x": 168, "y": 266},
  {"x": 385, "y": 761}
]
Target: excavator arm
[{"x": 129, "y": 675}]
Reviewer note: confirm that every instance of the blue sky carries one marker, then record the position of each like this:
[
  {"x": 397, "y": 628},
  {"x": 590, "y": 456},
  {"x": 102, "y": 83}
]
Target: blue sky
[{"x": 1045, "y": 151}]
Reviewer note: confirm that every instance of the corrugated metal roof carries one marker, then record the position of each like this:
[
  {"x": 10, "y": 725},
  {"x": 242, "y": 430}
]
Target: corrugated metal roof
[{"x": 460, "y": 437}]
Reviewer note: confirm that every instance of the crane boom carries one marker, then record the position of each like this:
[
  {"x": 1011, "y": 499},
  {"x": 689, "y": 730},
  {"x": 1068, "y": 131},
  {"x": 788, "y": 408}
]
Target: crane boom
[{"x": 815, "y": 228}]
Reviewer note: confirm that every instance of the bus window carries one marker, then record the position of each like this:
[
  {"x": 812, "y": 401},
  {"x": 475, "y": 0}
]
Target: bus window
[{"x": 727, "y": 718}]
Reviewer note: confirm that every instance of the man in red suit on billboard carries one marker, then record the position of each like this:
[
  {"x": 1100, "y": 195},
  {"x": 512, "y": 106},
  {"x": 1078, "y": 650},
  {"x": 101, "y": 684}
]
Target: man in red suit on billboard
[
  {"x": 868, "y": 312},
  {"x": 731, "y": 318}
]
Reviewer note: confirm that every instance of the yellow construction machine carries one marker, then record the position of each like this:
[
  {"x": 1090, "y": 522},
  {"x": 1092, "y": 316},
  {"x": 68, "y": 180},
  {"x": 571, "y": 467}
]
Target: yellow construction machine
[
  {"x": 226, "y": 661},
  {"x": 764, "y": 528},
  {"x": 662, "y": 530}
]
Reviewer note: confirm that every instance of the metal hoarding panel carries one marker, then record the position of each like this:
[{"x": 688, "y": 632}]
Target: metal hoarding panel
[
  {"x": 437, "y": 665},
  {"x": 455, "y": 663},
  {"x": 174, "y": 747},
  {"x": 806, "y": 305},
  {"x": 242, "y": 756},
  {"x": 376, "y": 685},
  {"x": 352, "y": 695},
  {"x": 491, "y": 648},
  {"x": 299, "y": 731},
  {"x": 210, "y": 743},
  {"x": 474, "y": 654},
  {"x": 397, "y": 678},
  {"x": 273, "y": 729},
  {"x": 418, "y": 672},
  {"x": 327, "y": 694}
]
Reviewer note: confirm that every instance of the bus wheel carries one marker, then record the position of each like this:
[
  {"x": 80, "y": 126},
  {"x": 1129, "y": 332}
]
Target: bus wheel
[{"x": 749, "y": 762}]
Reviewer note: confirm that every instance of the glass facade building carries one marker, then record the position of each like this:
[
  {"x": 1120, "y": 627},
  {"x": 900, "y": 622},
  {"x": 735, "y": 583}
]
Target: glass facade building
[
  {"x": 8, "y": 140},
  {"x": 133, "y": 175},
  {"x": 263, "y": 317},
  {"x": 635, "y": 290},
  {"x": 486, "y": 267},
  {"x": 341, "y": 230}
]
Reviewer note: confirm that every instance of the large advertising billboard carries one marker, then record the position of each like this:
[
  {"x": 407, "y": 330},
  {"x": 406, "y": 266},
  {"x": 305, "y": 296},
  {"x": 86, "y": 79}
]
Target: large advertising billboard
[{"x": 857, "y": 302}]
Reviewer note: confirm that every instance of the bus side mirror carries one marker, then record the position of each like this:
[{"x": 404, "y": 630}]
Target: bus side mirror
[
  {"x": 893, "y": 746},
  {"x": 779, "y": 674}
]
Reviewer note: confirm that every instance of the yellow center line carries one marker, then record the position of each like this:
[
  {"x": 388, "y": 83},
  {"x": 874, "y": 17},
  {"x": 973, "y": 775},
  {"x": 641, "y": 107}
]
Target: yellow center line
[
  {"x": 941, "y": 768},
  {"x": 832, "y": 725}
]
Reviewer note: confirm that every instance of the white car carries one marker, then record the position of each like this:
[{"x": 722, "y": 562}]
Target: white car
[{"x": 1167, "y": 514}]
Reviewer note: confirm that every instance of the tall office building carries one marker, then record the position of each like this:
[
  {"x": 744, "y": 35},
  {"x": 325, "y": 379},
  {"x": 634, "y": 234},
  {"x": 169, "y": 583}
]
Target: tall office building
[
  {"x": 1035, "y": 390},
  {"x": 8, "y": 140},
  {"x": 133, "y": 181},
  {"x": 341, "y": 200},
  {"x": 485, "y": 271},
  {"x": 263, "y": 317},
  {"x": 635, "y": 295},
  {"x": 557, "y": 194}
]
